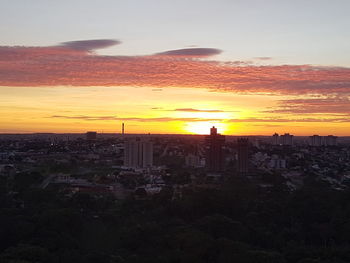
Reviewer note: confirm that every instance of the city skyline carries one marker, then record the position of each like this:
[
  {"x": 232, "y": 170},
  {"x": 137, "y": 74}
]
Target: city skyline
[{"x": 245, "y": 67}]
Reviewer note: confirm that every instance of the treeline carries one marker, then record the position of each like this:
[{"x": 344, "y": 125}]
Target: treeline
[{"x": 241, "y": 222}]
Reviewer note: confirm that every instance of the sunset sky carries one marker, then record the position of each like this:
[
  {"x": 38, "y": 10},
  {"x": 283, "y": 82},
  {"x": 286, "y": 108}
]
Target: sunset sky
[{"x": 249, "y": 67}]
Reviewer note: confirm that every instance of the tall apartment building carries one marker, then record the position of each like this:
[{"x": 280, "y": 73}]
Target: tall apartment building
[
  {"x": 91, "y": 135},
  {"x": 316, "y": 140},
  {"x": 286, "y": 139},
  {"x": 242, "y": 157},
  {"x": 215, "y": 159},
  {"x": 138, "y": 153},
  {"x": 275, "y": 139},
  {"x": 330, "y": 140}
]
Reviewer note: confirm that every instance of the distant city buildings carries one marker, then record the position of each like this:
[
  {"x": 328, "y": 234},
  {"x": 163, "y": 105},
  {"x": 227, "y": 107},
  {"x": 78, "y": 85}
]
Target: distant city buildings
[
  {"x": 215, "y": 159},
  {"x": 316, "y": 140},
  {"x": 192, "y": 160},
  {"x": 138, "y": 153},
  {"x": 91, "y": 135},
  {"x": 129, "y": 161},
  {"x": 285, "y": 139},
  {"x": 242, "y": 155}
]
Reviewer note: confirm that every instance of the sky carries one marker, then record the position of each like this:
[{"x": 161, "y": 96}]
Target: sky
[{"x": 248, "y": 67}]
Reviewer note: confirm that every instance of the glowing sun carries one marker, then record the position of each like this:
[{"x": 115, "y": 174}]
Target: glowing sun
[{"x": 203, "y": 127}]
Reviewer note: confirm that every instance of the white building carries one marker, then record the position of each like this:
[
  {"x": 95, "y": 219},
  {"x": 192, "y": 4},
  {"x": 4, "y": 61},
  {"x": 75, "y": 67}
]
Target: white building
[
  {"x": 138, "y": 153},
  {"x": 277, "y": 163}
]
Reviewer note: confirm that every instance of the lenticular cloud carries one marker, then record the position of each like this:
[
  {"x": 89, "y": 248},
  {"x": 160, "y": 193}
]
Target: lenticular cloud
[{"x": 88, "y": 45}]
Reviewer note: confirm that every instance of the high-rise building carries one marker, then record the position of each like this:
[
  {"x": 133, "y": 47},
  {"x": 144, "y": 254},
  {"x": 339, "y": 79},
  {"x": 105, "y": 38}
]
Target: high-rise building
[
  {"x": 286, "y": 139},
  {"x": 215, "y": 159},
  {"x": 242, "y": 155},
  {"x": 316, "y": 140},
  {"x": 138, "y": 153},
  {"x": 330, "y": 140},
  {"x": 91, "y": 135},
  {"x": 275, "y": 139}
]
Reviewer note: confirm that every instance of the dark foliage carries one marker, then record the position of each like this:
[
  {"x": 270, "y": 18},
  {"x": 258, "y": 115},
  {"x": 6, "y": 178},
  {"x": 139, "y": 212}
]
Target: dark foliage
[{"x": 239, "y": 223}]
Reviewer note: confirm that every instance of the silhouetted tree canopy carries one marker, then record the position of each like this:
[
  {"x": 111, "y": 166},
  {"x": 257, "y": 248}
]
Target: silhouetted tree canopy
[{"x": 239, "y": 222}]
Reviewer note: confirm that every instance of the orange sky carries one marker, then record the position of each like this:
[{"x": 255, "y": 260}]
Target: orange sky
[
  {"x": 247, "y": 67},
  {"x": 72, "y": 88},
  {"x": 155, "y": 110}
]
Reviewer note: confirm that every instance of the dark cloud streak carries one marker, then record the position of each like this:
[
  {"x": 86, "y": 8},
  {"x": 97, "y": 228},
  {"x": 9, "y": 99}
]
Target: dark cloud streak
[
  {"x": 191, "y": 52},
  {"x": 138, "y": 119},
  {"x": 167, "y": 119},
  {"x": 196, "y": 110},
  {"x": 88, "y": 45}
]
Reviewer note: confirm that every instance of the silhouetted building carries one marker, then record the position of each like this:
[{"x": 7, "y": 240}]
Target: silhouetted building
[
  {"x": 215, "y": 159},
  {"x": 91, "y": 135},
  {"x": 138, "y": 153},
  {"x": 275, "y": 139},
  {"x": 330, "y": 140},
  {"x": 242, "y": 152},
  {"x": 286, "y": 139},
  {"x": 316, "y": 140}
]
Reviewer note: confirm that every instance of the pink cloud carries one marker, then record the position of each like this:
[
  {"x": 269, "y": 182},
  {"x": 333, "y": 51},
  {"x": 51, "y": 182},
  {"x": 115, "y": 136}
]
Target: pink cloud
[
  {"x": 329, "y": 105},
  {"x": 74, "y": 64}
]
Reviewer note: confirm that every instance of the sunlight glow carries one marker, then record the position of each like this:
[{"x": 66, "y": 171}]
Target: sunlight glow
[{"x": 204, "y": 127}]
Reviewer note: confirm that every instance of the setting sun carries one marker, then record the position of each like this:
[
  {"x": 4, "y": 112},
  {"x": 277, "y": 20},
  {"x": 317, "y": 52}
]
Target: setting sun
[{"x": 204, "y": 127}]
